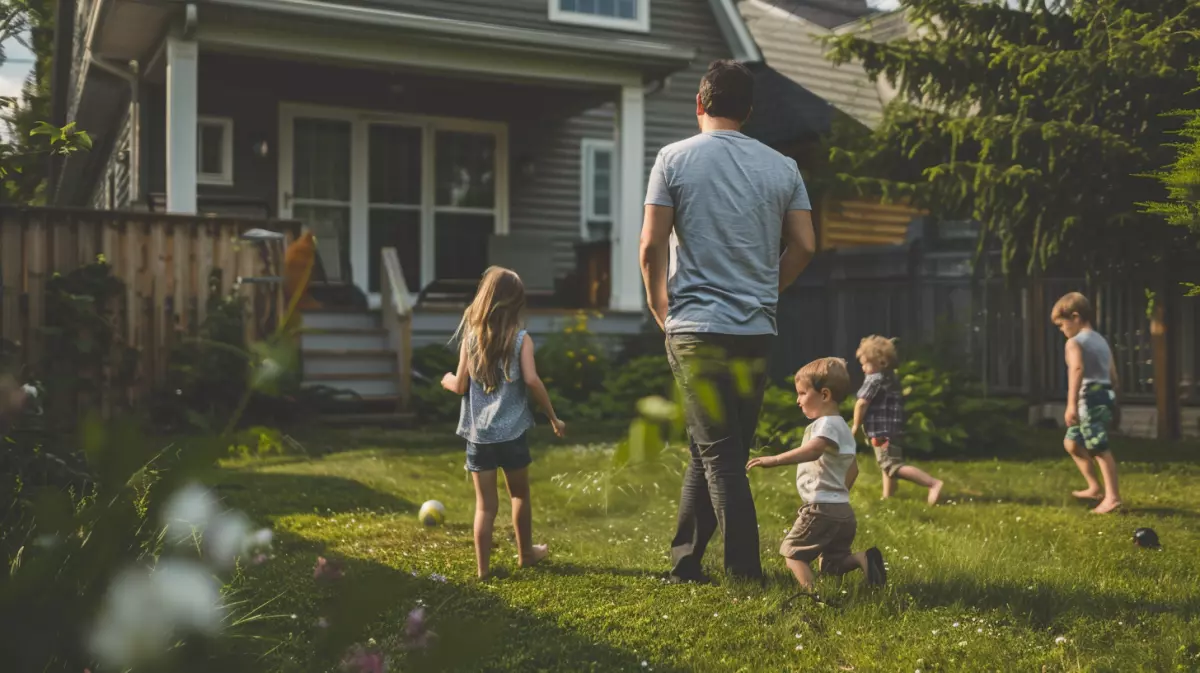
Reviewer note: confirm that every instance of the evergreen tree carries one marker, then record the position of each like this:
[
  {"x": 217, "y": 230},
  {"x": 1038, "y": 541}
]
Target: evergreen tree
[{"x": 1042, "y": 121}]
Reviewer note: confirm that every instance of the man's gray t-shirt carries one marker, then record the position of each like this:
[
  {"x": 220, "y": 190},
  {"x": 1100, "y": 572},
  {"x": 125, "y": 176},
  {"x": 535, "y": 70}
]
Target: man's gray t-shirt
[{"x": 730, "y": 193}]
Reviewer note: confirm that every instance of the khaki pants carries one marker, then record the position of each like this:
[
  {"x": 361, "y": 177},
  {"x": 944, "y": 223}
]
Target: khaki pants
[{"x": 824, "y": 530}]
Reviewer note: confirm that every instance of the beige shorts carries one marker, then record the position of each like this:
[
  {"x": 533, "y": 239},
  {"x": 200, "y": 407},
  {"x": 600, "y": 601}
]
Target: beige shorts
[
  {"x": 888, "y": 454},
  {"x": 824, "y": 530}
]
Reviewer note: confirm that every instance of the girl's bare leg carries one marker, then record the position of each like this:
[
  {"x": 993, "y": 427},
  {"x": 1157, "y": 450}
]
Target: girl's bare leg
[
  {"x": 486, "y": 505},
  {"x": 522, "y": 512}
]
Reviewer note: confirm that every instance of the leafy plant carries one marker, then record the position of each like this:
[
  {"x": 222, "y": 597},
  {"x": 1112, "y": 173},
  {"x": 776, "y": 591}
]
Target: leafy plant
[{"x": 572, "y": 362}]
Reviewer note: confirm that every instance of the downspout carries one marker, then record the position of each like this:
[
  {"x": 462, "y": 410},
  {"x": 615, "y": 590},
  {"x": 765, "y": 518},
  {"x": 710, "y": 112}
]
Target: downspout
[
  {"x": 64, "y": 40},
  {"x": 132, "y": 77}
]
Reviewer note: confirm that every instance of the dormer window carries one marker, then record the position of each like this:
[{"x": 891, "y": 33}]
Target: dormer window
[{"x": 632, "y": 15}]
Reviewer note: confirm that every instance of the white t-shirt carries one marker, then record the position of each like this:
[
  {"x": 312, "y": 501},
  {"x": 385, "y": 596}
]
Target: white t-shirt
[{"x": 824, "y": 479}]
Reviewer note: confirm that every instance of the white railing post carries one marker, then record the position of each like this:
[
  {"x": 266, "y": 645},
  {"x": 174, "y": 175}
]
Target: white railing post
[{"x": 397, "y": 319}]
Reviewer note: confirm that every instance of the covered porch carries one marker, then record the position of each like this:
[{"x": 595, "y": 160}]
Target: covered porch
[{"x": 379, "y": 129}]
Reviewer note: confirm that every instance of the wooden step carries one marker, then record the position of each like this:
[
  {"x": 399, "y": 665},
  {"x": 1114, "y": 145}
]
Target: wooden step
[{"x": 365, "y": 376}]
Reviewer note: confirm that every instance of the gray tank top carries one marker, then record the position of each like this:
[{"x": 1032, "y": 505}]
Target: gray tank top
[
  {"x": 502, "y": 415},
  {"x": 1097, "y": 357}
]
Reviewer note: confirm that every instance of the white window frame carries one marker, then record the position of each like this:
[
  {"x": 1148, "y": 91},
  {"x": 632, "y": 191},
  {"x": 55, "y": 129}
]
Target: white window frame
[
  {"x": 225, "y": 177},
  {"x": 587, "y": 184},
  {"x": 360, "y": 204},
  {"x": 639, "y": 24}
]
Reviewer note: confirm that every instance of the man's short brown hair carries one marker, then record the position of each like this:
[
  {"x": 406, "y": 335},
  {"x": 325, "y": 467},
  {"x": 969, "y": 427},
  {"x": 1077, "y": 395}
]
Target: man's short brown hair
[
  {"x": 727, "y": 90},
  {"x": 828, "y": 373},
  {"x": 1070, "y": 304}
]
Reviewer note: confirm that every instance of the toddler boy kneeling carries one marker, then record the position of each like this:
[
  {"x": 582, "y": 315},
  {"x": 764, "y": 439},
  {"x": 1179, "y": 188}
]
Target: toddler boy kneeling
[{"x": 825, "y": 525}]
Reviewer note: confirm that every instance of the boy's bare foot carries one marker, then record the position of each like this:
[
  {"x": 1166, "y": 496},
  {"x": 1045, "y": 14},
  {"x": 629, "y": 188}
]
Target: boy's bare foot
[
  {"x": 1107, "y": 506},
  {"x": 1088, "y": 494},
  {"x": 537, "y": 554},
  {"x": 935, "y": 492}
]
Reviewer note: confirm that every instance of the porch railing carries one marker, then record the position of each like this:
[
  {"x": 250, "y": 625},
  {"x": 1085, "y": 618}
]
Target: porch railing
[
  {"x": 397, "y": 320},
  {"x": 164, "y": 261}
]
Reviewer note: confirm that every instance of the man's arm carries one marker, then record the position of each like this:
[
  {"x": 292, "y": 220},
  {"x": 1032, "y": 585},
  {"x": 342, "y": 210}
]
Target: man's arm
[
  {"x": 654, "y": 254},
  {"x": 800, "y": 246}
]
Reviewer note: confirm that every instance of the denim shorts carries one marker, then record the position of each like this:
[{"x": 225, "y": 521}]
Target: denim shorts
[{"x": 510, "y": 455}]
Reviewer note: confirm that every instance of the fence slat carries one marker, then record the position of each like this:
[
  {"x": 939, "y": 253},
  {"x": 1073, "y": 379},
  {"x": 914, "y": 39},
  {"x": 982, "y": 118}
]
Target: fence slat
[
  {"x": 36, "y": 245},
  {"x": 11, "y": 278}
]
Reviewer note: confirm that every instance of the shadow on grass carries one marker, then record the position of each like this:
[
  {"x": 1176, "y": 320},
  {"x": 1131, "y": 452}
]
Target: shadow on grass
[
  {"x": 1039, "y": 607},
  {"x": 276, "y": 494},
  {"x": 476, "y": 630}
]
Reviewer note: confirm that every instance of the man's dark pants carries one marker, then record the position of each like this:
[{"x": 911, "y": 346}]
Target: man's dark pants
[{"x": 722, "y": 377}]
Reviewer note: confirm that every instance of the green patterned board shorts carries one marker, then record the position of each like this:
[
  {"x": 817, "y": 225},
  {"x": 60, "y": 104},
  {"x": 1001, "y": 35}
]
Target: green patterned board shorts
[{"x": 1096, "y": 404}]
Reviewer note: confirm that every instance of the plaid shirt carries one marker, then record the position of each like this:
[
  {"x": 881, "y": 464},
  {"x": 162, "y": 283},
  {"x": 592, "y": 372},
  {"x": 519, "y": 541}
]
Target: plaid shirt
[{"x": 885, "y": 416}]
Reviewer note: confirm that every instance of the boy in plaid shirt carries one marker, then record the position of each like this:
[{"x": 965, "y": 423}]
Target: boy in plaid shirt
[{"x": 880, "y": 413}]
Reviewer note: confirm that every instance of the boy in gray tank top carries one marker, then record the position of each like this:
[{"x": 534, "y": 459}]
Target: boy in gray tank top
[{"x": 1091, "y": 400}]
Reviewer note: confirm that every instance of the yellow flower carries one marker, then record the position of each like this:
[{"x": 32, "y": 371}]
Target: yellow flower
[
  {"x": 591, "y": 358},
  {"x": 569, "y": 330},
  {"x": 571, "y": 354},
  {"x": 579, "y": 365}
]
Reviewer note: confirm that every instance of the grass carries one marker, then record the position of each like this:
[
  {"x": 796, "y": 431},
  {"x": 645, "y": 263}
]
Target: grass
[{"x": 1008, "y": 574}]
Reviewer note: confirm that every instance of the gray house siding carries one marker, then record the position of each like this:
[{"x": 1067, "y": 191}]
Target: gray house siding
[{"x": 111, "y": 189}]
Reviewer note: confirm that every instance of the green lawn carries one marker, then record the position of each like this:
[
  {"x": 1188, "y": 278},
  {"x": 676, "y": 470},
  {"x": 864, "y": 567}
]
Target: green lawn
[{"x": 1008, "y": 574}]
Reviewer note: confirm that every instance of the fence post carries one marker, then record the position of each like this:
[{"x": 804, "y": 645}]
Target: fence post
[{"x": 1164, "y": 320}]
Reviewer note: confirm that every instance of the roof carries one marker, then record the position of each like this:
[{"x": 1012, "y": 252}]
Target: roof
[
  {"x": 784, "y": 111},
  {"x": 825, "y": 13},
  {"x": 791, "y": 45}
]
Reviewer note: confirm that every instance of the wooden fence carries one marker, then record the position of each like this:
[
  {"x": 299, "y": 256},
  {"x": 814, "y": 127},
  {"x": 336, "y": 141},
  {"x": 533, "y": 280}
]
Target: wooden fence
[
  {"x": 165, "y": 262},
  {"x": 1002, "y": 332}
]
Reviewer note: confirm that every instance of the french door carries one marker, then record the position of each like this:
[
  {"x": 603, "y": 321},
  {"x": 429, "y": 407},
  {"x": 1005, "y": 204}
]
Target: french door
[{"x": 435, "y": 189}]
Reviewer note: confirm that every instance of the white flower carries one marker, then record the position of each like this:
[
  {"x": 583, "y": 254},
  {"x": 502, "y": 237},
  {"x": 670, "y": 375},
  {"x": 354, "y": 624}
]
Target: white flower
[
  {"x": 227, "y": 538},
  {"x": 1060, "y": 640},
  {"x": 955, "y": 625},
  {"x": 188, "y": 513},
  {"x": 144, "y": 612}
]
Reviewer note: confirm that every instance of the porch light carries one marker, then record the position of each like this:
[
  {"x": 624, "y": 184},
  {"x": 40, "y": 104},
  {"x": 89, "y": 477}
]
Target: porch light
[{"x": 261, "y": 149}]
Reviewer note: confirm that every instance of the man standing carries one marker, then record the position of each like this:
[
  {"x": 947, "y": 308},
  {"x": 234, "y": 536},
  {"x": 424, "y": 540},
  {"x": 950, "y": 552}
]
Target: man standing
[{"x": 721, "y": 202}]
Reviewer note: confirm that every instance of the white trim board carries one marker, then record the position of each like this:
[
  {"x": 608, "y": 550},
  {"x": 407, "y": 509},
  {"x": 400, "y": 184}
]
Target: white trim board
[
  {"x": 225, "y": 177},
  {"x": 640, "y": 23},
  {"x": 587, "y": 148},
  {"x": 359, "y": 204},
  {"x": 276, "y": 40}
]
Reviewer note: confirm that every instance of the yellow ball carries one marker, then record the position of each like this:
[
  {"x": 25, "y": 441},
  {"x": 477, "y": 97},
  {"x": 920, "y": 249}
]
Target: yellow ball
[{"x": 433, "y": 513}]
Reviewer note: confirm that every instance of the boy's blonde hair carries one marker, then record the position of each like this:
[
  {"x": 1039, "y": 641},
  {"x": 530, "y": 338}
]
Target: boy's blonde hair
[
  {"x": 1070, "y": 304},
  {"x": 879, "y": 351},
  {"x": 828, "y": 373}
]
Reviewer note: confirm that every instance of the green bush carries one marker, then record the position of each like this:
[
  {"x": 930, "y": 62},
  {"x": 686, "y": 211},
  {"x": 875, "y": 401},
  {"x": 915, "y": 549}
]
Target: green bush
[
  {"x": 945, "y": 414},
  {"x": 572, "y": 362}
]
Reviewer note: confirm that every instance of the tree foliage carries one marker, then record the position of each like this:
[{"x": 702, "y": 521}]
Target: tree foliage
[
  {"x": 1040, "y": 121},
  {"x": 1182, "y": 177}
]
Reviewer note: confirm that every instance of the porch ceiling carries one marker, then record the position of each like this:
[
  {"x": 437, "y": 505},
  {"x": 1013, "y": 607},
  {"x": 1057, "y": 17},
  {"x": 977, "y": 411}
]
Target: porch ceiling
[{"x": 320, "y": 29}]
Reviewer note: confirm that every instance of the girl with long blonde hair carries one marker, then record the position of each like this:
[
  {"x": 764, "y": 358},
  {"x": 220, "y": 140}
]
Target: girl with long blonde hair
[{"x": 496, "y": 376}]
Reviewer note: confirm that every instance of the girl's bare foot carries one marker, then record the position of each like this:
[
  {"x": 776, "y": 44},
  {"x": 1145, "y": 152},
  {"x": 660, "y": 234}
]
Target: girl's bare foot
[
  {"x": 1106, "y": 506},
  {"x": 537, "y": 553},
  {"x": 935, "y": 492},
  {"x": 1088, "y": 494}
]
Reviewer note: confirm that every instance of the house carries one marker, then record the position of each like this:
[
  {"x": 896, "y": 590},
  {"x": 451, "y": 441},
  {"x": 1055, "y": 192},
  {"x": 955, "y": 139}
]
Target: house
[
  {"x": 460, "y": 133},
  {"x": 790, "y": 34}
]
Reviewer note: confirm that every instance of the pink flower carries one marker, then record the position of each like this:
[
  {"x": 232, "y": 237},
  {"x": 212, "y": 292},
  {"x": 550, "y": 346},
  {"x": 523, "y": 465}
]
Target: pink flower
[
  {"x": 360, "y": 659},
  {"x": 416, "y": 630},
  {"x": 327, "y": 570}
]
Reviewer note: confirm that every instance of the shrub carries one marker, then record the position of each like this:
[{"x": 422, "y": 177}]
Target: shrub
[
  {"x": 945, "y": 414},
  {"x": 572, "y": 362}
]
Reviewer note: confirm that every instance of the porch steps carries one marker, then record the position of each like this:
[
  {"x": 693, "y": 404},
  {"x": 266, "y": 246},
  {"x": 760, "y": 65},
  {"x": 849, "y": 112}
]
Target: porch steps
[{"x": 348, "y": 350}]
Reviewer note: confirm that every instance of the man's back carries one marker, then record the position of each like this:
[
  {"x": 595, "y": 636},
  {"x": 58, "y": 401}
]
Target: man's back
[{"x": 730, "y": 194}]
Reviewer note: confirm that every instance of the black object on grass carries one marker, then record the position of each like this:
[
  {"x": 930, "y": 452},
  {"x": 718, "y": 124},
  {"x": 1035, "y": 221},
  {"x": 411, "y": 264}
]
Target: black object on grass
[{"x": 1146, "y": 538}]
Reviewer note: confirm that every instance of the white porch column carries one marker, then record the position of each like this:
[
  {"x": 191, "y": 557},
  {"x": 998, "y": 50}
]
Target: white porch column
[
  {"x": 627, "y": 292},
  {"x": 182, "y": 96}
]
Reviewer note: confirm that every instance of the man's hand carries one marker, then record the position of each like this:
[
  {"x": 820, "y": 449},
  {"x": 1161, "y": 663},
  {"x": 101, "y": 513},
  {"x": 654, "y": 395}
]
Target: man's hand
[
  {"x": 654, "y": 255},
  {"x": 761, "y": 461},
  {"x": 658, "y": 309},
  {"x": 1072, "y": 416}
]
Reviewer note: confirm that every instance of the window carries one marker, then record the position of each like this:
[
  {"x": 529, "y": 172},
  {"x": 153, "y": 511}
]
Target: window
[
  {"x": 214, "y": 151},
  {"x": 619, "y": 14},
  {"x": 596, "y": 192}
]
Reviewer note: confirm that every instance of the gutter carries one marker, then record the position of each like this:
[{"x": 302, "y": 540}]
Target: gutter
[
  {"x": 741, "y": 42},
  {"x": 465, "y": 30}
]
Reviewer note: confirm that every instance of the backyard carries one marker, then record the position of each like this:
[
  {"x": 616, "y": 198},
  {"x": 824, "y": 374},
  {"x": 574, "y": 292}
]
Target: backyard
[{"x": 1008, "y": 573}]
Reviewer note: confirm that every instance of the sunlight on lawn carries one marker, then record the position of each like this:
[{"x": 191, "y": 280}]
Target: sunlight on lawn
[{"x": 1009, "y": 573}]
